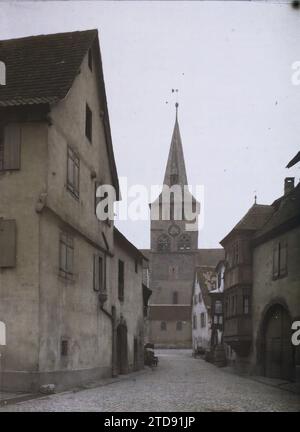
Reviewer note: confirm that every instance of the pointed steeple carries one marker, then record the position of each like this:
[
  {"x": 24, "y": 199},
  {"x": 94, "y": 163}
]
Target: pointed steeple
[{"x": 175, "y": 170}]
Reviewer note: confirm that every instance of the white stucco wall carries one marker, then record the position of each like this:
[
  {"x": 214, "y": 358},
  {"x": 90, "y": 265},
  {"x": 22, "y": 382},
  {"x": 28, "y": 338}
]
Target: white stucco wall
[{"x": 201, "y": 335}]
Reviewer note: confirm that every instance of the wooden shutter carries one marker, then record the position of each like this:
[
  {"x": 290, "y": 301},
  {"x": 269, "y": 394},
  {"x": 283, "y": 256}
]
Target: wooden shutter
[
  {"x": 7, "y": 243},
  {"x": 283, "y": 258},
  {"x": 12, "y": 145},
  {"x": 276, "y": 260}
]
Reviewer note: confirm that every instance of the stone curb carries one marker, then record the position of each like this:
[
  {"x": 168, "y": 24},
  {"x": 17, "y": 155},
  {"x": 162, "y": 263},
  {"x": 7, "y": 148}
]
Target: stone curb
[{"x": 87, "y": 386}]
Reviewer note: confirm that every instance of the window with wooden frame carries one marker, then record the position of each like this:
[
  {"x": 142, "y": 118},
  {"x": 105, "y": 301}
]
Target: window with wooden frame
[
  {"x": 121, "y": 280},
  {"x": 233, "y": 305},
  {"x": 99, "y": 274},
  {"x": 88, "y": 123},
  {"x": 73, "y": 166},
  {"x": 218, "y": 307},
  {"x": 280, "y": 259},
  {"x": 10, "y": 147},
  {"x": 66, "y": 255},
  {"x": 163, "y": 326}
]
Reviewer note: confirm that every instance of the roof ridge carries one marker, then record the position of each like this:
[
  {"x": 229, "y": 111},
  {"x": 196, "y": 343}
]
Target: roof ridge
[{"x": 49, "y": 34}]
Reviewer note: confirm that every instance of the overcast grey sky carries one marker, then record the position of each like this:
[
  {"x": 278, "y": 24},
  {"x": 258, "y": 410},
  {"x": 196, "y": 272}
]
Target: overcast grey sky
[{"x": 239, "y": 114}]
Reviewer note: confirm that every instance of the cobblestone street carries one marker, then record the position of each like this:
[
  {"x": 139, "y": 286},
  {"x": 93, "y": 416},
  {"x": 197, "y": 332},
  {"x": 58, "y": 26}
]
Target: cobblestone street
[{"x": 180, "y": 383}]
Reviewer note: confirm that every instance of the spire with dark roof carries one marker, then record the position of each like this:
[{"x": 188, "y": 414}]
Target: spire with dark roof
[{"x": 175, "y": 170}]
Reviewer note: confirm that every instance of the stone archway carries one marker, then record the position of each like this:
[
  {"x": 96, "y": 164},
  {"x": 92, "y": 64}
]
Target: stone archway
[
  {"x": 276, "y": 351},
  {"x": 122, "y": 349}
]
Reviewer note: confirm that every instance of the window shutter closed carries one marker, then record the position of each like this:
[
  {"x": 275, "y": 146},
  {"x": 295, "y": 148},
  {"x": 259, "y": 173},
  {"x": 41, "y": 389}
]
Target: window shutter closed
[
  {"x": 96, "y": 273},
  {"x": 7, "y": 243},
  {"x": 12, "y": 145},
  {"x": 275, "y": 260}
]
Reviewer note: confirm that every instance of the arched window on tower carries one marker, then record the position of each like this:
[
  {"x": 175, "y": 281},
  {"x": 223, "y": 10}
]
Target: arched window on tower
[
  {"x": 184, "y": 242},
  {"x": 163, "y": 243}
]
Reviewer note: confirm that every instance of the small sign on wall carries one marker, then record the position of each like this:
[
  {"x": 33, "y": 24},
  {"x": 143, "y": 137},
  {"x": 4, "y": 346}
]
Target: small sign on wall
[{"x": 2, "y": 333}]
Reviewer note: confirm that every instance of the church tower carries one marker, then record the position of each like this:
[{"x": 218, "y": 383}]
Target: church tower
[{"x": 174, "y": 246}]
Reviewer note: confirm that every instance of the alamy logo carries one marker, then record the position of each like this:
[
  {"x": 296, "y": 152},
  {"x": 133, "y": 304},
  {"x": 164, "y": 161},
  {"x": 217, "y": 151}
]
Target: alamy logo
[
  {"x": 168, "y": 203},
  {"x": 2, "y": 73},
  {"x": 296, "y": 334}
]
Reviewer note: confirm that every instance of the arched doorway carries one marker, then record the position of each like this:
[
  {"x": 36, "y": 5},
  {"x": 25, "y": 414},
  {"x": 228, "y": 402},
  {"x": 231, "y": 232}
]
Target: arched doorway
[
  {"x": 277, "y": 347},
  {"x": 122, "y": 349}
]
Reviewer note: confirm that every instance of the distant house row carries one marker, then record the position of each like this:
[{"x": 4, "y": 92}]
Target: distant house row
[
  {"x": 73, "y": 297},
  {"x": 243, "y": 309}
]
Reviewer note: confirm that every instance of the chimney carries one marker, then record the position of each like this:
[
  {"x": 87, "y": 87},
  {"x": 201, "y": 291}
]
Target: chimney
[{"x": 288, "y": 184}]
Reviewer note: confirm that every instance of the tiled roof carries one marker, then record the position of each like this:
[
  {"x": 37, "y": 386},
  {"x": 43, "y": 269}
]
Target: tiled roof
[
  {"x": 254, "y": 219},
  {"x": 41, "y": 69},
  {"x": 286, "y": 213},
  {"x": 210, "y": 257},
  {"x": 123, "y": 241},
  {"x": 146, "y": 253}
]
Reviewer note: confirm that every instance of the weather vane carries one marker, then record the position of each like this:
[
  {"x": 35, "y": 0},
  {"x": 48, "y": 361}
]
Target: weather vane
[{"x": 175, "y": 92}]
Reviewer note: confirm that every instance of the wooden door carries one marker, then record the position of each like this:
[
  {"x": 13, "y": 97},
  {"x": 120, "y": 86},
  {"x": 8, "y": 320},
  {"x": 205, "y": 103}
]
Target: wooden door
[{"x": 278, "y": 348}]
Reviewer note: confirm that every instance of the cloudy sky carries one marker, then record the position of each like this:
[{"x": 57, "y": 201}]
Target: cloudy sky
[{"x": 232, "y": 62}]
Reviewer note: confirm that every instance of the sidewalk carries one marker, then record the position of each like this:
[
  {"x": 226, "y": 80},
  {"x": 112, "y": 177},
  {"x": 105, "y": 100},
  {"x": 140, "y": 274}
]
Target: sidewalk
[
  {"x": 293, "y": 387},
  {"x": 8, "y": 398}
]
